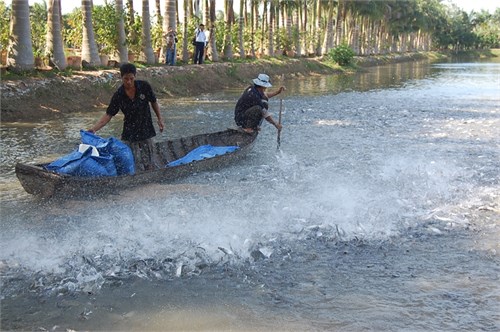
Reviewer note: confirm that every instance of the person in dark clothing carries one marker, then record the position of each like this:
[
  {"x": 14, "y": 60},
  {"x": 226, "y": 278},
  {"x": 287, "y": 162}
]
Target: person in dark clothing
[
  {"x": 133, "y": 98},
  {"x": 252, "y": 107},
  {"x": 200, "y": 44}
]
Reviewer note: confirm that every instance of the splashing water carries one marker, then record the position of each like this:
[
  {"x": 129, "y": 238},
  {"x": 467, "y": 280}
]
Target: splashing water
[{"x": 381, "y": 165}]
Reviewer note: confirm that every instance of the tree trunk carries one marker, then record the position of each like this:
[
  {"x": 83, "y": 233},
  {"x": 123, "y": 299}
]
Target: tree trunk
[
  {"x": 122, "y": 37},
  {"x": 288, "y": 29},
  {"x": 296, "y": 30},
  {"x": 263, "y": 29},
  {"x": 252, "y": 24},
  {"x": 54, "y": 48},
  {"x": 313, "y": 28},
  {"x": 20, "y": 52},
  {"x": 213, "y": 29},
  {"x": 303, "y": 29},
  {"x": 272, "y": 15},
  {"x": 340, "y": 21},
  {"x": 317, "y": 39},
  {"x": 196, "y": 8},
  {"x": 169, "y": 20},
  {"x": 241, "y": 28},
  {"x": 228, "y": 47},
  {"x": 147, "y": 47},
  {"x": 132, "y": 35},
  {"x": 170, "y": 15},
  {"x": 160, "y": 22},
  {"x": 90, "y": 54},
  {"x": 328, "y": 40},
  {"x": 185, "y": 54},
  {"x": 159, "y": 17}
]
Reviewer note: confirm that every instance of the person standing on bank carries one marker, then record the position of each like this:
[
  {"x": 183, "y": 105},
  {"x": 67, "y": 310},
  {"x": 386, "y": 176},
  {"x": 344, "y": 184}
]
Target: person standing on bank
[
  {"x": 252, "y": 107},
  {"x": 171, "y": 39},
  {"x": 200, "y": 44},
  {"x": 133, "y": 98}
]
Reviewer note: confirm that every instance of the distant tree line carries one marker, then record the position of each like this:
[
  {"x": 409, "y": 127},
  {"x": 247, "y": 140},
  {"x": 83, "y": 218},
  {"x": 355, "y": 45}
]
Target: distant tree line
[{"x": 293, "y": 28}]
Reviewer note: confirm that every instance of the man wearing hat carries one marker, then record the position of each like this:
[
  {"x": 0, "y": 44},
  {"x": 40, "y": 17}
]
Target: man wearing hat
[{"x": 252, "y": 107}]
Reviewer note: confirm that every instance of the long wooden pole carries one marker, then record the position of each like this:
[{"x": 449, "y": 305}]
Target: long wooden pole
[{"x": 279, "y": 122}]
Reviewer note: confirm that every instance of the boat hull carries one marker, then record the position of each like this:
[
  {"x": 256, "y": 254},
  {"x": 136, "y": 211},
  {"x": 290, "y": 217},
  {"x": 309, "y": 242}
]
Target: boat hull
[{"x": 38, "y": 181}]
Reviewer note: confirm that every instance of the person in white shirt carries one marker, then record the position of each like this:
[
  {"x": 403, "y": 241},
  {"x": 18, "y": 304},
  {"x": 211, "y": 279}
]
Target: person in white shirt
[{"x": 200, "y": 44}]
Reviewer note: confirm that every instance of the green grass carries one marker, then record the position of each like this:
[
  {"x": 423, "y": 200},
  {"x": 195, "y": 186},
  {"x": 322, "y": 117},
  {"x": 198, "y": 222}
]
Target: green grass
[{"x": 495, "y": 52}]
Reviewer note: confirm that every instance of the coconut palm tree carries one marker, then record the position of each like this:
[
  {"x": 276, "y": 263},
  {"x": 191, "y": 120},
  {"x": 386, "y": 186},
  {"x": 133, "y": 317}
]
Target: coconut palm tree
[
  {"x": 328, "y": 38},
  {"x": 130, "y": 7},
  {"x": 263, "y": 29},
  {"x": 253, "y": 22},
  {"x": 228, "y": 45},
  {"x": 160, "y": 31},
  {"x": 401, "y": 24},
  {"x": 90, "y": 53},
  {"x": 147, "y": 46},
  {"x": 297, "y": 28},
  {"x": 369, "y": 15},
  {"x": 270, "y": 30},
  {"x": 301, "y": 28},
  {"x": 122, "y": 37},
  {"x": 133, "y": 38},
  {"x": 54, "y": 41},
  {"x": 318, "y": 27},
  {"x": 185, "y": 54},
  {"x": 241, "y": 29},
  {"x": 169, "y": 20},
  {"x": 339, "y": 27},
  {"x": 20, "y": 51},
  {"x": 288, "y": 16},
  {"x": 213, "y": 30},
  {"x": 206, "y": 12},
  {"x": 158, "y": 11}
]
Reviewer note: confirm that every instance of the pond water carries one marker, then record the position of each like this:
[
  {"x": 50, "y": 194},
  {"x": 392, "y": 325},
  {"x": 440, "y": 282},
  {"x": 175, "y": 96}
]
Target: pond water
[{"x": 380, "y": 211}]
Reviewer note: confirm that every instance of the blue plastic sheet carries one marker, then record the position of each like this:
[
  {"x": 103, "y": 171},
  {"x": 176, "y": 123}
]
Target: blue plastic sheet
[
  {"x": 203, "y": 152},
  {"x": 92, "y": 139},
  {"x": 115, "y": 158},
  {"x": 84, "y": 164},
  {"x": 122, "y": 156},
  {"x": 121, "y": 152}
]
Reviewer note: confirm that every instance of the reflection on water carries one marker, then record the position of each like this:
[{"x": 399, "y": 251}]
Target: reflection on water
[
  {"x": 381, "y": 77},
  {"x": 382, "y": 200}
]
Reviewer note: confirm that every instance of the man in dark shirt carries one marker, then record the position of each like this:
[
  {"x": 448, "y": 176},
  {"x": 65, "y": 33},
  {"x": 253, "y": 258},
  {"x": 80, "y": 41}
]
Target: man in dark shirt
[
  {"x": 252, "y": 107},
  {"x": 133, "y": 98}
]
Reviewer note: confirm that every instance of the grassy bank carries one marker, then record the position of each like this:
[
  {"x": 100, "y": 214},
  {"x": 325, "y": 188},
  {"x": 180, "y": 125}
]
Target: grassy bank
[
  {"x": 48, "y": 94},
  {"x": 34, "y": 98}
]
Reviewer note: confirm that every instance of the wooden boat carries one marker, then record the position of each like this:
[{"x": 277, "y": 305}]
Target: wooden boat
[{"x": 36, "y": 180}]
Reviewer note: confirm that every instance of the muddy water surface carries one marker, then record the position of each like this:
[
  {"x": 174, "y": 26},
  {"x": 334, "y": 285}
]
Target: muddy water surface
[{"x": 379, "y": 212}]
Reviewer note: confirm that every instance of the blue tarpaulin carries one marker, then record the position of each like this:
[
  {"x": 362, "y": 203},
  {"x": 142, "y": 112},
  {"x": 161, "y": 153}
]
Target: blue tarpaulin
[
  {"x": 121, "y": 152},
  {"x": 115, "y": 158},
  {"x": 83, "y": 164},
  {"x": 203, "y": 152}
]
